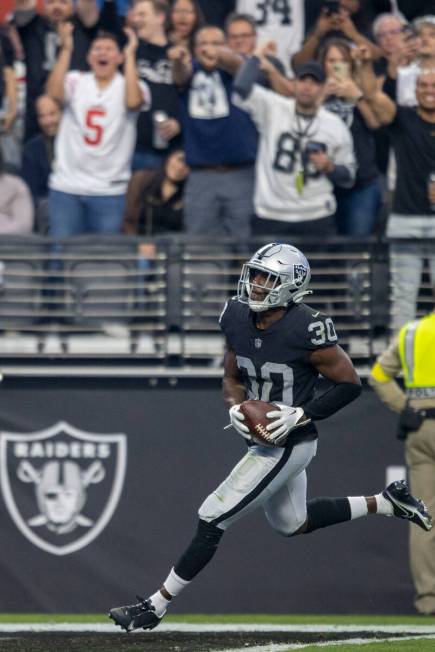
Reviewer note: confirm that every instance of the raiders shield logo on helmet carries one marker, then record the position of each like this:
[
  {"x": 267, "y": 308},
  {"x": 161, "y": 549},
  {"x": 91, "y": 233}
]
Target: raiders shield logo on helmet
[
  {"x": 61, "y": 485},
  {"x": 300, "y": 273}
]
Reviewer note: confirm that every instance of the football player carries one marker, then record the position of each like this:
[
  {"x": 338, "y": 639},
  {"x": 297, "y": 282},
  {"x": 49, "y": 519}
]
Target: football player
[{"x": 276, "y": 348}]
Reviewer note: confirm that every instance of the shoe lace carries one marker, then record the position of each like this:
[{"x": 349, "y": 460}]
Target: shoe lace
[{"x": 142, "y": 606}]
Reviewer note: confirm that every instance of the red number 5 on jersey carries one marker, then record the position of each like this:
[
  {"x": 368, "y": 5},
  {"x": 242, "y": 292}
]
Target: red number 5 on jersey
[{"x": 94, "y": 133}]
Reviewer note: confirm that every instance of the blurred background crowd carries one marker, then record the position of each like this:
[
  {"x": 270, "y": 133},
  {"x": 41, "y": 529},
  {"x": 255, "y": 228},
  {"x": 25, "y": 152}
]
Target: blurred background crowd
[{"x": 140, "y": 118}]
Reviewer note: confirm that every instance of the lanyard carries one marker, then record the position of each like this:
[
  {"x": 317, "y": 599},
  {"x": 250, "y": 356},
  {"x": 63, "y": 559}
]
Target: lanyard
[
  {"x": 300, "y": 134},
  {"x": 303, "y": 132}
]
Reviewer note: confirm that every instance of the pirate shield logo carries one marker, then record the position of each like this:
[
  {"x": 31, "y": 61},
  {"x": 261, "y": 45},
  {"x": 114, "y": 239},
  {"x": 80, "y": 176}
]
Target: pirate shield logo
[
  {"x": 300, "y": 275},
  {"x": 62, "y": 485}
]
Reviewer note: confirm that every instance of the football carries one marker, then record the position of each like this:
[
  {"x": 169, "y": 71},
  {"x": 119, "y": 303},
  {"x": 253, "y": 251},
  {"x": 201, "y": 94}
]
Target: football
[{"x": 256, "y": 419}]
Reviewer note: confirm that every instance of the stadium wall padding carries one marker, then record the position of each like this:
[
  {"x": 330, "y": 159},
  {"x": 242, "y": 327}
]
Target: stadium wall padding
[{"x": 124, "y": 534}]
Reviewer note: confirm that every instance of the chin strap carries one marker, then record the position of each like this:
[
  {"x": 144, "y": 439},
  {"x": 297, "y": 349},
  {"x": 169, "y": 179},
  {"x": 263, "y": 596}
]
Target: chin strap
[{"x": 296, "y": 298}]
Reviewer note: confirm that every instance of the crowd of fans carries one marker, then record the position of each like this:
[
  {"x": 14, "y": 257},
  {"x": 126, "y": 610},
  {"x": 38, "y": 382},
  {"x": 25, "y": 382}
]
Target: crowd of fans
[{"x": 231, "y": 118}]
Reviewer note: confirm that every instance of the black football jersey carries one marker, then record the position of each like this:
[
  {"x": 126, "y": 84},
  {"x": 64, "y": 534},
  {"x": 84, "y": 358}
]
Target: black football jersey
[{"x": 274, "y": 362}]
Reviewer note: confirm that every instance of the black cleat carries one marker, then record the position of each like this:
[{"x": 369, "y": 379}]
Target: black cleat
[
  {"x": 135, "y": 616},
  {"x": 406, "y": 506}
]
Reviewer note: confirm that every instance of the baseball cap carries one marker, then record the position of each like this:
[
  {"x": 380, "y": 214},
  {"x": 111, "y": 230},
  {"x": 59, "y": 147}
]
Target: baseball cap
[
  {"x": 424, "y": 20},
  {"x": 311, "y": 69}
]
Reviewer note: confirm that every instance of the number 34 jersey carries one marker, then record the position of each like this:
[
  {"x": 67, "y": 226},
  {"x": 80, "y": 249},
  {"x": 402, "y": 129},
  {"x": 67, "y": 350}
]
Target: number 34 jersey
[{"x": 274, "y": 363}]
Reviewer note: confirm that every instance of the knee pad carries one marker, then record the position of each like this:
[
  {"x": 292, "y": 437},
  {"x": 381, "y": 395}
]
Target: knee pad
[{"x": 210, "y": 509}]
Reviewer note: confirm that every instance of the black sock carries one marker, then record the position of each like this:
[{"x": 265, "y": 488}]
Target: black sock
[
  {"x": 323, "y": 512},
  {"x": 200, "y": 551}
]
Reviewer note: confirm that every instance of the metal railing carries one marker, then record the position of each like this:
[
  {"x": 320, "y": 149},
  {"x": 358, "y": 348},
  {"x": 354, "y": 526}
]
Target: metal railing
[{"x": 158, "y": 301}]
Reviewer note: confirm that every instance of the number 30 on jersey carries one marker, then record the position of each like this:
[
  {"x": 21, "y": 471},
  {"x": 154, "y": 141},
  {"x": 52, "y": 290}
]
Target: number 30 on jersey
[{"x": 322, "y": 331}]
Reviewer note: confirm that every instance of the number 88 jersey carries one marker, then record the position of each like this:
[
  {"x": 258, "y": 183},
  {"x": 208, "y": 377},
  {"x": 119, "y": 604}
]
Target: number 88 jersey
[{"x": 274, "y": 363}]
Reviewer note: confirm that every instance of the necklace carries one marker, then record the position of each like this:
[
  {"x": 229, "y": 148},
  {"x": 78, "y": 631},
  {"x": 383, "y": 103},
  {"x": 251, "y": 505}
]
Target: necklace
[{"x": 301, "y": 131}]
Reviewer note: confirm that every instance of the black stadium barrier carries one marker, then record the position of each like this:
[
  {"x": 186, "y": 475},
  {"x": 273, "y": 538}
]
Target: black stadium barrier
[{"x": 140, "y": 455}]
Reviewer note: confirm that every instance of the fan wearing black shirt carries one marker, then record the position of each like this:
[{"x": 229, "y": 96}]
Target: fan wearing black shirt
[
  {"x": 412, "y": 133},
  {"x": 357, "y": 207},
  {"x": 155, "y": 140},
  {"x": 156, "y": 207},
  {"x": 38, "y": 154},
  {"x": 40, "y": 40}
]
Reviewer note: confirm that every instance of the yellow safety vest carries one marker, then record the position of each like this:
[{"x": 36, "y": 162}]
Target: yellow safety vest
[{"x": 417, "y": 355}]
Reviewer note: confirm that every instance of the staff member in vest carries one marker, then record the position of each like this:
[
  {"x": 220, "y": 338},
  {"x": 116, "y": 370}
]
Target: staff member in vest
[{"x": 412, "y": 351}]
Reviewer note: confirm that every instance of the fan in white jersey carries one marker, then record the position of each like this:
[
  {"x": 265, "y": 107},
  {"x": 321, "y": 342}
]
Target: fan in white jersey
[
  {"x": 304, "y": 151},
  {"x": 96, "y": 137}
]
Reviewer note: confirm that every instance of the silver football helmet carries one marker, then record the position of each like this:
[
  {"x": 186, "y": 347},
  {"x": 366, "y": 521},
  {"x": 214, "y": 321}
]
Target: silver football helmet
[{"x": 285, "y": 276}]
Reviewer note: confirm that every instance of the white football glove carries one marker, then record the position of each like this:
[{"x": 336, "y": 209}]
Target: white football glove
[
  {"x": 285, "y": 420},
  {"x": 237, "y": 418}
]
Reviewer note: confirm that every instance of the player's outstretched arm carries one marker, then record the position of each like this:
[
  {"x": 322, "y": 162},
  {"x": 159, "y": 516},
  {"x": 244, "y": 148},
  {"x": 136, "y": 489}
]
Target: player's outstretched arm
[{"x": 333, "y": 363}]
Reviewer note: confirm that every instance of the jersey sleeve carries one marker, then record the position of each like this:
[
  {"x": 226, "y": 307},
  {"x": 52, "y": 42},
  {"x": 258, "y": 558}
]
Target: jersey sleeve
[
  {"x": 257, "y": 104},
  {"x": 318, "y": 331},
  {"x": 70, "y": 84}
]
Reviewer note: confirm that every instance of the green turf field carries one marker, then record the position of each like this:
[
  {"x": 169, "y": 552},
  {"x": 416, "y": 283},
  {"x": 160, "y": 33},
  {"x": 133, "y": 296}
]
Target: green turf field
[
  {"x": 220, "y": 633},
  {"x": 277, "y": 619}
]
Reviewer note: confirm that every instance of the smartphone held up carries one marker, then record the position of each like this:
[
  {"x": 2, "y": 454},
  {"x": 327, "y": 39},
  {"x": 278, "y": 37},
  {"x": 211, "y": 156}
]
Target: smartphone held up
[{"x": 331, "y": 6}]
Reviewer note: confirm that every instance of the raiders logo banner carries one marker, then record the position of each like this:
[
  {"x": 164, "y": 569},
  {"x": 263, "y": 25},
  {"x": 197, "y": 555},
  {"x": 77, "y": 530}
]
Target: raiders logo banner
[
  {"x": 61, "y": 485},
  {"x": 79, "y": 537}
]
